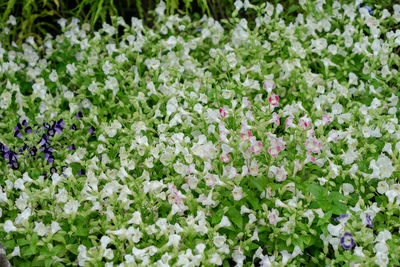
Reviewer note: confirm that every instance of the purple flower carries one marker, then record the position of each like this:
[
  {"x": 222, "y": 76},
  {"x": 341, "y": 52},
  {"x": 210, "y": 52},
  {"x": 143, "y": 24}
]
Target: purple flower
[
  {"x": 370, "y": 223},
  {"x": 18, "y": 134},
  {"x": 28, "y": 129},
  {"x": 342, "y": 216},
  {"x": 25, "y": 123},
  {"x": 50, "y": 160},
  {"x": 14, "y": 164},
  {"x": 51, "y": 132},
  {"x": 33, "y": 151},
  {"x": 79, "y": 115},
  {"x": 61, "y": 123},
  {"x": 73, "y": 127},
  {"x": 53, "y": 170},
  {"x": 347, "y": 240},
  {"x": 81, "y": 172},
  {"x": 44, "y": 140},
  {"x": 18, "y": 127},
  {"x": 71, "y": 147},
  {"x": 91, "y": 130}
]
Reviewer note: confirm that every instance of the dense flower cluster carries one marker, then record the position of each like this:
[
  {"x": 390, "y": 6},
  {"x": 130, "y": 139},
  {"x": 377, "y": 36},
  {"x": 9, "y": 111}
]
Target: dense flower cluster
[{"x": 263, "y": 142}]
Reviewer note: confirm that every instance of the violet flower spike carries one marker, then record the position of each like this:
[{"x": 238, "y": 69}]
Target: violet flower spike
[{"x": 347, "y": 240}]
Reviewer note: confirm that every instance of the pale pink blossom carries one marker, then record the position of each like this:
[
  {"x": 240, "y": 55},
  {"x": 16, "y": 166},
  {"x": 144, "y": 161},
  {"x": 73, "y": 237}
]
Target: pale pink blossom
[
  {"x": 254, "y": 168},
  {"x": 275, "y": 119},
  {"x": 310, "y": 158},
  {"x": 305, "y": 122},
  {"x": 297, "y": 167},
  {"x": 280, "y": 174},
  {"x": 274, "y": 150},
  {"x": 225, "y": 157},
  {"x": 325, "y": 119},
  {"x": 274, "y": 100},
  {"x": 268, "y": 85},
  {"x": 223, "y": 112},
  {"x": 273, "y": 217},
  {"x": 245, "y": 135},
  {"x": 314, "y": 145},
  {"x": 289, "y": 122},
  {"x": 237, "y": 193},
  {"x": 210, "y": 179},
  {"x": 256, "y": 147}
]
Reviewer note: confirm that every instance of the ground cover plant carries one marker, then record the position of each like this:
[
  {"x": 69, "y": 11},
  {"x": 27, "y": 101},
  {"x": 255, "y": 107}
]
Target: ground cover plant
[{"x": 197, "y": 142}]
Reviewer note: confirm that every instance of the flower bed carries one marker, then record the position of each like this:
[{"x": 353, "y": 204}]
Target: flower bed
[{"x": 201, "y": 142}]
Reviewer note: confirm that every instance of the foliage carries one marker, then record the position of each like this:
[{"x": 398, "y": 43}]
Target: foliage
[{"x": 267, "y": 141}]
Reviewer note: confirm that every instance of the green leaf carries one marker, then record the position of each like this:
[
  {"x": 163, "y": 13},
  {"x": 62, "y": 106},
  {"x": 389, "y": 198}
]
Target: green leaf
[
  {"x": 235, "y": 216},
  {"x": 59, "y": 238},
  {"x": 317, "y": 190},
  {"x": 217, "y": 217},
  {"x": 28, "y": 251}
]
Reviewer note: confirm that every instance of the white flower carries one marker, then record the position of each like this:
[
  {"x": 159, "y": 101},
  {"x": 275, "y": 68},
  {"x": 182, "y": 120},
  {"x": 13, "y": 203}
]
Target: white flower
[
  {"x": 172, "y": 105},
  {"x": 347, "y": 189},
  {"x": 215, "y": 259},
  {"x": 335, "y": 230},
  {"x": 383, "y": 236},
  {"x": 108, "y": 254},
  {"x": 40, "y": 229},
  {"x": 219, "y": 240},
  {"x": 71, "y": 206},
  {"x": 16, "y": 252},
  {"x": 174, "y": 240},
  {"x": 309, "y": 214},
  {"x": 19, "y": 184},
  {"x": 136, "y": 218},
  {"x": 382, "y": 187},
  {"x": 9, "y": 226},
  {"x": 391, "y": 195},
  {"x": 237, "y": 193},
  {"x": 55, "y": 227},
  {"x": 238, "y": 4},
  {"x": 224, "y": 222}
]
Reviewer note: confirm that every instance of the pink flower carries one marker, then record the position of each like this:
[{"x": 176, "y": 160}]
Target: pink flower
[
  {"x": 245, "y": 135},
  {"x": 297, "y": 167},
  {"x": 305, "y": 122},
  {"x": 289, "y": 122},
  {"x": 309, "y": 158},
  {"x": 325, "y": 119},
  {"x": 280, "y": 174},
  {"x": 237, "y": 193},
  {"x": 254, "y": 168},
  {"x": 256, "y": 148},
  {"x": 268, "y": 85},
  {"x": 274, "y": 150},
  {"x": 274, "y": 100},
  {"x": 225, "y": 158},
  {"x": 223, "y": 112},
  {"x": 210, "y": 179},
  {"x": 275, "y": 119},
  {"x": 314, "y": 145},
  {"x": 273, "y": 217}
]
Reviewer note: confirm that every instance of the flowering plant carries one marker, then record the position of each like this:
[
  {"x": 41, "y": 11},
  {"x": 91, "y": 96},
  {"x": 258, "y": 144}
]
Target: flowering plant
[{"x": 256, "y": 144}]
